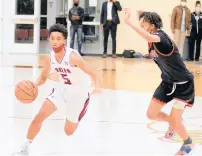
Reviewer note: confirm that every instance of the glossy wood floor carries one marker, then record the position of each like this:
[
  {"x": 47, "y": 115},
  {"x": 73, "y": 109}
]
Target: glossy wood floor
[{"x": 140, "y": 75}]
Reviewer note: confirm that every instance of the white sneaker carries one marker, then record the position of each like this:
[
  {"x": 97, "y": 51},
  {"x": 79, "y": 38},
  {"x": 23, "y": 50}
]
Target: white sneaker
[{"x": 23, "y": 151}]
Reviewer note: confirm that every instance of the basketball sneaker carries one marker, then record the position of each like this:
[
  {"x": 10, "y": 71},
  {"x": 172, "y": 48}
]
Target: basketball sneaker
[
  {"x": 170, "y": 133},
  {"x": 186, "y": 149},
  {"x": 24, "y": 150}
]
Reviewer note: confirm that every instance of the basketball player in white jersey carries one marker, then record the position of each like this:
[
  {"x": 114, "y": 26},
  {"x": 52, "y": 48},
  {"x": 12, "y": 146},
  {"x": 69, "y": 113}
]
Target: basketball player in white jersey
[{"x": 72, "y": 79}]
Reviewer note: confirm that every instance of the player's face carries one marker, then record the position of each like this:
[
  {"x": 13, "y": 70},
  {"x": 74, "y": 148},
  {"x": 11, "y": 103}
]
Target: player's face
[
  {"x": 57, "y": 41},
  {"x": 146, "y": 26}
]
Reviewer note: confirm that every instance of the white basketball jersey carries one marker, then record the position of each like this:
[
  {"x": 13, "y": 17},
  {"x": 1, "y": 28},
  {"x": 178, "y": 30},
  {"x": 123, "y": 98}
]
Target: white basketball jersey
[{"x": 67, "y": 74}]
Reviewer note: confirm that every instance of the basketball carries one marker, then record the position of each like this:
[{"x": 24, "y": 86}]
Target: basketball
[{"x": 26, "y": 91}]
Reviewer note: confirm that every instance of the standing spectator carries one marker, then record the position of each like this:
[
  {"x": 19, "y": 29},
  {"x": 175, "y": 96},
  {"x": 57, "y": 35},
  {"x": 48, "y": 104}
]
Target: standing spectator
[
  {"x": 180, "y": 24},
  {"x": 196, "y": 33},
  {"x": 76, "y": 18},
  {"x": 109, "y": 20}
]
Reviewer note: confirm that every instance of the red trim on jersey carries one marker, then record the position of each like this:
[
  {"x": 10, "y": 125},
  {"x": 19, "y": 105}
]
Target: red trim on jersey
[
  {"x": 162, "y": 53},
  {"x": 84, "y": 110},
  {"x": 155, "y": 100},
  {"x": 53, "y": 90}
]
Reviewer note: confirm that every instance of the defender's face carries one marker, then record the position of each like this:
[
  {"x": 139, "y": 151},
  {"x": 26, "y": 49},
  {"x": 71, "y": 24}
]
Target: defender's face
[{"x": 146, "y": 26}]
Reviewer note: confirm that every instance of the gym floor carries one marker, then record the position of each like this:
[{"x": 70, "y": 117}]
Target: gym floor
[{"x": 115, "y": 123}]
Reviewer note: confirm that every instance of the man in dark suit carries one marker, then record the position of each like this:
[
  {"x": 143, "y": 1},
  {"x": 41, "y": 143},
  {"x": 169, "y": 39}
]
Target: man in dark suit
[{"x": 109, "y": 20}]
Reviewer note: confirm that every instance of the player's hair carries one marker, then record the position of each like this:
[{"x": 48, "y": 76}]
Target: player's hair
[
  {"x": 198, "y": 2},
  {"x": 152, "y": 18},
  {"x": 58, "y": 28}
]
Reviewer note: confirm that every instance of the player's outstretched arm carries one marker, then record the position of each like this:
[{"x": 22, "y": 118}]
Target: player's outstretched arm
[
  {"x": 146, "y": 35},
  {"x": 45, "y": 72},
  {"x": 76, "y": 60}
]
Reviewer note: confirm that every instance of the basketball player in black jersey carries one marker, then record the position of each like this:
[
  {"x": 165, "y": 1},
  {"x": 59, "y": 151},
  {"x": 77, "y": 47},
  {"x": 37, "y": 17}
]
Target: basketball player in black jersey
[{"x": 177, "y": 84}]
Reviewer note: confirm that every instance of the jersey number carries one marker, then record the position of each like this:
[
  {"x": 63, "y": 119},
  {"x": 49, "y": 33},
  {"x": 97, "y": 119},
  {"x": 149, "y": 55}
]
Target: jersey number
[{"x": 66, "y": 80}]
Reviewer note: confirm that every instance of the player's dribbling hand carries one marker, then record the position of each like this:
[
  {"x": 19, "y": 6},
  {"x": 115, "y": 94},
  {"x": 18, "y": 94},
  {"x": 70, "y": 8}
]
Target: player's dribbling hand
[{"x": 126, "y": 15}]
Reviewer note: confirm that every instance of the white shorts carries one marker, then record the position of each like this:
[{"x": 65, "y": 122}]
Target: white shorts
[{"x": 75, "y": 101}]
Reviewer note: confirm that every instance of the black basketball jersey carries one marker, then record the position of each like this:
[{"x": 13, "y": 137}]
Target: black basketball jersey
[{"x": 167, "y": 57}]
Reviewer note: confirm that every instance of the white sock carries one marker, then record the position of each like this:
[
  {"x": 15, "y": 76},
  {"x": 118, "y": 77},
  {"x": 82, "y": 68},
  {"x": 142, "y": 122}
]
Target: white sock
[
  {"x": 28, "y": 141},
  {"x": 27, "y": 144}
]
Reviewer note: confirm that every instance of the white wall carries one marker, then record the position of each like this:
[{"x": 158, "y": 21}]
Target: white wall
[
  {"x": 92, "y": 3},
  {"x": 129, "y": 39},
  {"x": 51, "y": 12},
  {"x": 82, "y": 3},
  {"x": 8, "y": 26},
  {"x": 1, "y": 18}
]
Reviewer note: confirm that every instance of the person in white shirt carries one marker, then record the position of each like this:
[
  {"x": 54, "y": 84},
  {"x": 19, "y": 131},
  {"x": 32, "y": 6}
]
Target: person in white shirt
[
  {"x": 109, "y": 20},
  {"x": 71, "y": 78}
]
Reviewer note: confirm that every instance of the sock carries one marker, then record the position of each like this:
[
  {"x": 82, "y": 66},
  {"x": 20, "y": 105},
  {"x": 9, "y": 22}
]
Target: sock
[
  {"x": 188, "y": 141},
  {"x": 29, "y": 141},
  {"x": 27, "y": 144}
]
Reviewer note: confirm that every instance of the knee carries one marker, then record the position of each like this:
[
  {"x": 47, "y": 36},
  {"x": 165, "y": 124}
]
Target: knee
[
  {"x": 70, "y": 128},
  {"x": 69, "y": 131},
  {"x": 114, "y": 38},
  {"x": 105, "y": 39},
  {"x": 79, "y": 41},
  {"x": 151, "y": 115}
]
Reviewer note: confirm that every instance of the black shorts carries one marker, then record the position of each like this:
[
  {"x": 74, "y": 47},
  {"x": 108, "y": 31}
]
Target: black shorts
[{"x": 184, "y": 92}]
